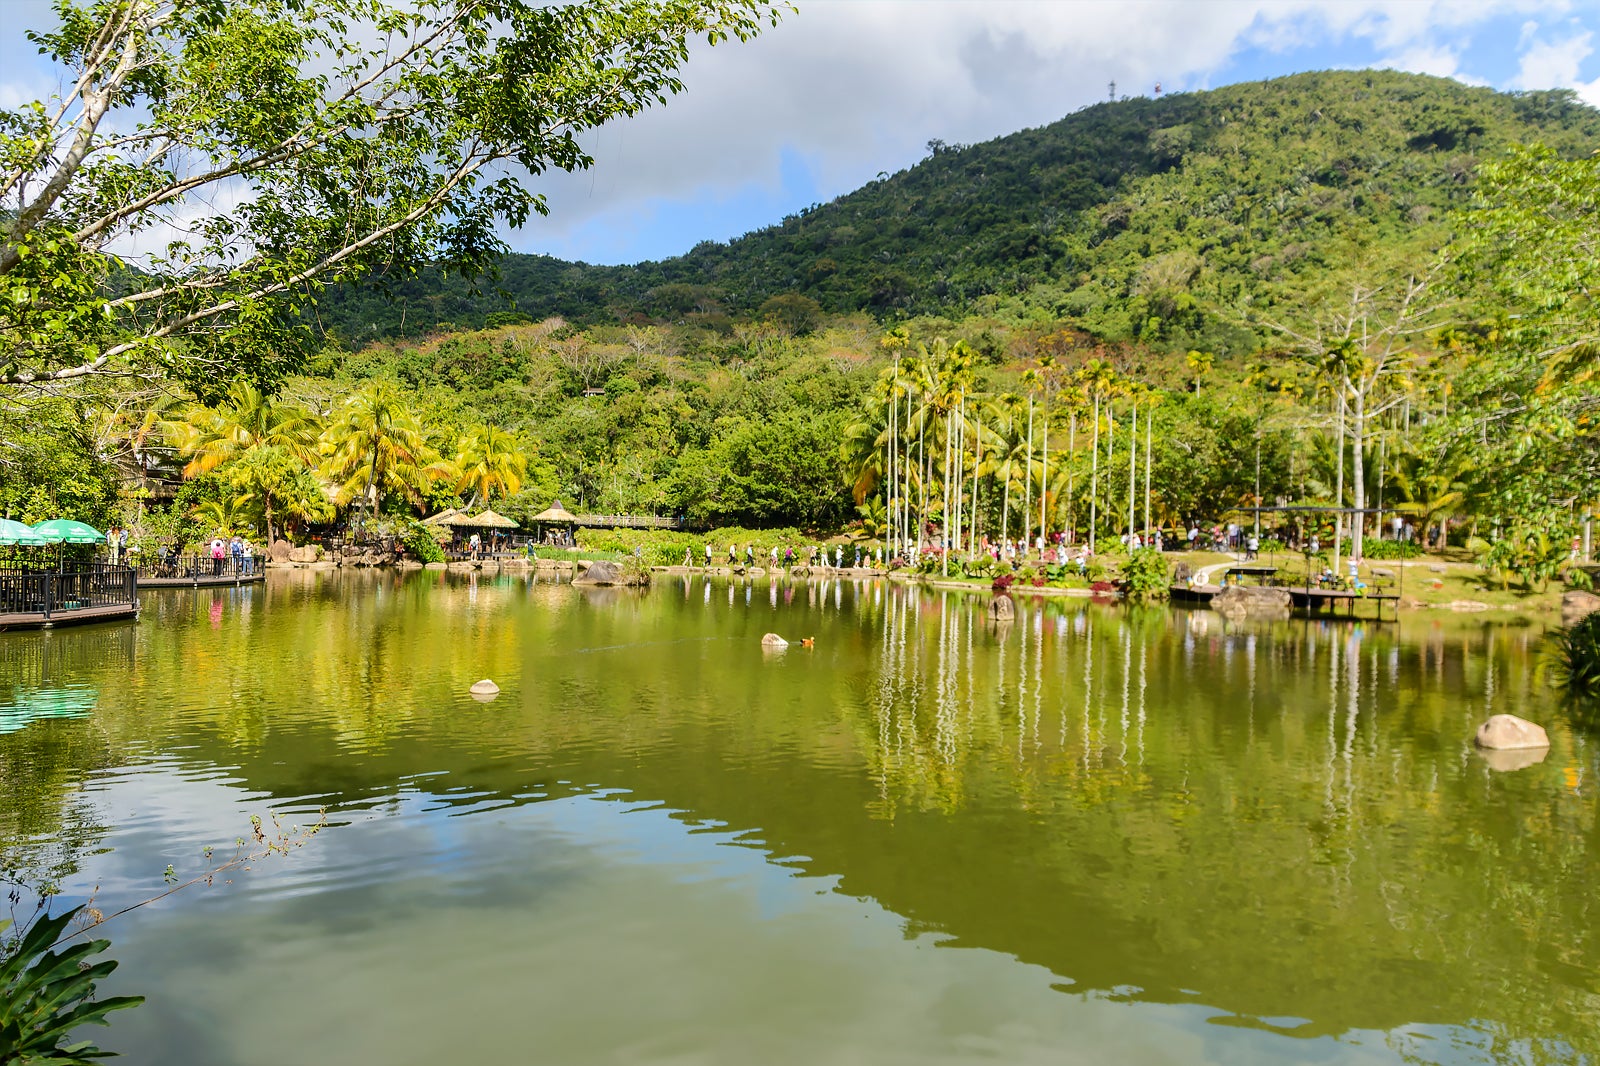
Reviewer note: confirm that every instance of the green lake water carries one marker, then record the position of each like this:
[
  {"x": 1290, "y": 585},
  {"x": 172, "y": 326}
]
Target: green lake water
[{"x": 1095, "y": 835}]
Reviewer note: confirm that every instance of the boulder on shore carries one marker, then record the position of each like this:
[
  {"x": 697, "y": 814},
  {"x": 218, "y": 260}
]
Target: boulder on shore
[
  {"x": 1250, "y": 601},
  {"x": 280, "y": 550},
  {"x": 1576, "y": 605},
  {"x": 606, "y": 572},
  {"x": 1504, "y": 732},
  {"x": 599, "y": 572}
]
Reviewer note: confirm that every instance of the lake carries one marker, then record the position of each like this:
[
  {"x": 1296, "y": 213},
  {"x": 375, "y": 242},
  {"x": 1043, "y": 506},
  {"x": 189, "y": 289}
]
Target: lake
[{"x": 1097, "y": 834}]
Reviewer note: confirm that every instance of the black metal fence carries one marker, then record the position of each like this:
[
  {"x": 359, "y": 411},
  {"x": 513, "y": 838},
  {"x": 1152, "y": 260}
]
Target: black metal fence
[
  {"x": 73, "y": 586},
  {"x": 199, "y": 564}
]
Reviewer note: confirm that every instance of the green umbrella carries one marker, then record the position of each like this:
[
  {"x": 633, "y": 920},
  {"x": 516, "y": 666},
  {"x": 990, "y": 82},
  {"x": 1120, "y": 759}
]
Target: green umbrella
[
  {"x": 66, "y": 531},
  {"x": 17, "y": 533}
]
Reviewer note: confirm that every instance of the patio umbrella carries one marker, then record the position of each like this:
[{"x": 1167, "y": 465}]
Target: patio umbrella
[
  {"x": 66, "y": 531},
  {"x": 17, "y": 533}
]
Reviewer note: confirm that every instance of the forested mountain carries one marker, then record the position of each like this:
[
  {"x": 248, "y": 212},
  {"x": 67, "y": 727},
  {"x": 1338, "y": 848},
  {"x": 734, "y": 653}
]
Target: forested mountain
[{"x": 1165, "y": 221}]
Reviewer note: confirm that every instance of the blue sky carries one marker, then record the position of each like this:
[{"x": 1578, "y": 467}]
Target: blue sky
[{"x": 844, "y": 89}]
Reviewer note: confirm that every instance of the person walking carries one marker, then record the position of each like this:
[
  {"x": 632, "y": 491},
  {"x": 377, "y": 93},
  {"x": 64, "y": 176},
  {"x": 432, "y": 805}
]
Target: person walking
[
  {"x": 733, "y": 555},
  {"x": 1253, "y": 546},
  {"x": 708, "y": 555}
]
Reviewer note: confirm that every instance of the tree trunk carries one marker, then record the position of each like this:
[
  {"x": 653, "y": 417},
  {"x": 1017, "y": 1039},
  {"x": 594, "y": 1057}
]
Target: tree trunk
[
  {"x": 1133, "y": 472},
  {"x": 1094, "y": 476},
  {"x": 1358, "y": 428},
  {"x": 1027, "y": 478},
  {"x": 1338, "y": 488},
  {"x": 1044, "y": 468},
  {"x": 1149, "y": 429},
  {"x": 1072, "y": 445}
]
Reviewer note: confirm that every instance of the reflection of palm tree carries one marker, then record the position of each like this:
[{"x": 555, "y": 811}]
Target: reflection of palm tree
[
  {"x": 375, "y": 445},
  {"x": 490, "y": 460}
]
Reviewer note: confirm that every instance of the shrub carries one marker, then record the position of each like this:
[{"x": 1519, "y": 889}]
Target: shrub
[
  {"x": 1145, "y": 576},
  {"x": 1576, "y": 654},
  {"x": 1002, "y": 583},
  {"x": 46, "y": 993},
  {"x": 1391, "y": 549},
  {"x": 420, "y": 543}
]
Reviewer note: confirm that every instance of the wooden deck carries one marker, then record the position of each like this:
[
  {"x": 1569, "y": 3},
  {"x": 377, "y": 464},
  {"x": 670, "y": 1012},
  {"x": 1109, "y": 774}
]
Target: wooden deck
[
  {"x": 199, "y": 581},
  {"x": 1327, "y": 601},
  {"x": 68, "y": 616}
]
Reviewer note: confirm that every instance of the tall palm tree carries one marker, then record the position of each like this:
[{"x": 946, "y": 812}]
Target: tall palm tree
[
  {"x": 209, "y": 437},
  {"x": 1100, "y": 378},
  {"x": 489, "y": 460},
  {"x": 375, "y": 445}
]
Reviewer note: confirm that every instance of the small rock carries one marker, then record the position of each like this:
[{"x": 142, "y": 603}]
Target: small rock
[
  {"x": 772, "y": 640},
  {"x": 484, "y": 690},
  {"x": 1002, "y": 609},
  {"x": 1508, "y": 732},
  {"x": 1239, "y": 601},
  {"x": 599, "y": 572},
  {"x": 1576, "y": 605},
  {"x": 1467, "y": 605},
  {"x": 1436, "y": 569}
]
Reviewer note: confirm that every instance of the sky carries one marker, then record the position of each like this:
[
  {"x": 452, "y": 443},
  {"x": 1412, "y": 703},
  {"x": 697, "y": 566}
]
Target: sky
[{"x": 842, "y": 90}]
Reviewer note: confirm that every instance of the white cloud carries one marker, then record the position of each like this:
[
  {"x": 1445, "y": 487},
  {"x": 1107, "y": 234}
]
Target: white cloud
[
  {"x": 859, "y": 86},
  {"x": 1557, "y": 64}
]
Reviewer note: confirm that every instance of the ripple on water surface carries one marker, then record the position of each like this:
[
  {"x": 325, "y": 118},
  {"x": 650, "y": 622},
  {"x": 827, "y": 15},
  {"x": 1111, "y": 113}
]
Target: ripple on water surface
[{"x": 1094, "y": 835}]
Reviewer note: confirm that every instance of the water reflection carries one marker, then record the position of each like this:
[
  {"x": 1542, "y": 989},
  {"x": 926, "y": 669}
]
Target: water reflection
[{"x": 1283, "y": 822}]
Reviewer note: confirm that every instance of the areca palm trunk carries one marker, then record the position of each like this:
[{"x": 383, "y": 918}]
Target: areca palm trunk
[
  {"x": 1149, "y": 426},
  {"x": 944, "y": 491},
  {"x": 1358, "y": 426},
  {"x": 1094, "y": 475},
  {"x": 977, "y": 463},
  {"x": 1133, "y": 471},
  {"x": 1027, "y": 479},
  {"x": 1338, "y": 490},
  {"x": 1072, "y": 445},
  {"x": 1044, "y": 467}
]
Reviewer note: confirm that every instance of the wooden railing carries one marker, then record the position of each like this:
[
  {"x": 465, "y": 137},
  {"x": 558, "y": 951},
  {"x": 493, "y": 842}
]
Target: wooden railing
[{"x": 629, "y": 521}]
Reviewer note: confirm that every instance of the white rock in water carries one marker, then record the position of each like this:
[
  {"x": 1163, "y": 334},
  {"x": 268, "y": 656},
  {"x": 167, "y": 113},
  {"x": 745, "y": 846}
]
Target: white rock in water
[
  {"x": 485, "y": 688},
  {"x": 1507, "y": 731},
  {"x": 772, "y": 640}
]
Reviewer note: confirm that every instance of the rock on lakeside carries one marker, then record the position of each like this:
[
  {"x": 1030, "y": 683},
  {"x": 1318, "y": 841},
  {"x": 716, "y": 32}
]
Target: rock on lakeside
[
  {"x": 1576, "y": 605},
  {"x": 1250, "y": 601},
  {"x": 1506, "y": 732},
  {"x": 605, "y": 572}
]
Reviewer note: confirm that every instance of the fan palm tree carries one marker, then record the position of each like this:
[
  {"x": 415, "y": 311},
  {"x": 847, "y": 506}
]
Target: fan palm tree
[{"x": 490, "y": 460}]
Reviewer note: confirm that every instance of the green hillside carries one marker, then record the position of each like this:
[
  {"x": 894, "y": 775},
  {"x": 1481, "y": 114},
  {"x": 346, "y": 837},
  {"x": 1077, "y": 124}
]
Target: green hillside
[{"x": 1156, "y": 220}]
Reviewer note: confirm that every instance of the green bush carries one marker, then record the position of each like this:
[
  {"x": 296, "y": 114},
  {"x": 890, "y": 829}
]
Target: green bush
[
  {"x": 1576, "y": 652},
  {"x": 1390, "y": 549},
  {"x": 47, "y": 991},
  {"x": 1144, "y": 576},
  {"x": 420, "y": 543}
]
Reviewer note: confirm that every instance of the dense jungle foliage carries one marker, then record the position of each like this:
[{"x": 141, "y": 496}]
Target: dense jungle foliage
[
  {"x": 1177, "y": 222},
  {"x": 1154, "y": 313}
]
